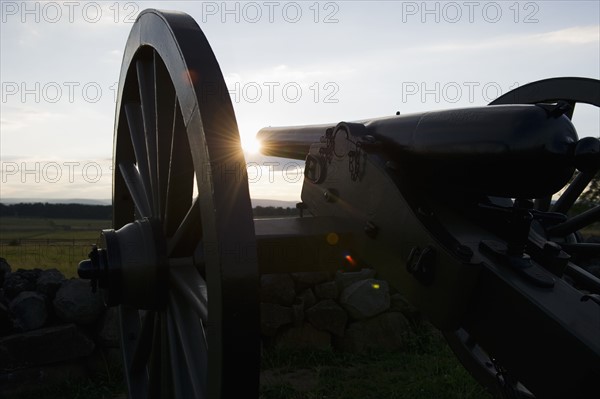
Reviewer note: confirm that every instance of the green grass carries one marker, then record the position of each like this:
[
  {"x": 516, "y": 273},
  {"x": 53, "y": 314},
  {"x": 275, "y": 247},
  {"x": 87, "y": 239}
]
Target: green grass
[
  {"x": 426, "y": 369},
  {"x": 109, "y": 384},
  {"x": 34, "y": 228},
  {"x": 591, "y": 231},
  {"x": 48, "y": 243}
]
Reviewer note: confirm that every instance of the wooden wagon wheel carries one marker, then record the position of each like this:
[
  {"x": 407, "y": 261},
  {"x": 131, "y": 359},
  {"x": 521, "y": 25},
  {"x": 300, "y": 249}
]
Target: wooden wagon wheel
[
  {"x": 565, "y": 93},
  {"x": 182, "y": 264}
]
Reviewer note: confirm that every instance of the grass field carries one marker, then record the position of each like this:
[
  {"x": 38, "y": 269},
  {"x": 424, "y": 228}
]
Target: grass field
[
  {"x": 425, "y": 369},
  {"x": 48, "y": 243}
]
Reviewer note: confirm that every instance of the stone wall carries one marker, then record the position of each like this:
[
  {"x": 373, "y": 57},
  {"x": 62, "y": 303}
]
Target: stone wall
[
  {"x": 51, "y": 328},
  {"x": 351, "y": 311}
]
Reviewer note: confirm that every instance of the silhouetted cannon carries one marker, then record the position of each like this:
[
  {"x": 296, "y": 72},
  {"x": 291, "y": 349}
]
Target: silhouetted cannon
[{"x": 454, "y": 208}]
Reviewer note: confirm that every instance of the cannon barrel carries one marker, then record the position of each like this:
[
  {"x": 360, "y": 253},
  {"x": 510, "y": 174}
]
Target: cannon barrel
[
  {"x": 502, "y": 150},
  {"x": 292, "y": 141}
]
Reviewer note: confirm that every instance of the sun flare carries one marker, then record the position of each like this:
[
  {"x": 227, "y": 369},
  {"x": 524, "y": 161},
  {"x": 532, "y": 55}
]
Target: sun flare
[{"x": 250, "y": 145}]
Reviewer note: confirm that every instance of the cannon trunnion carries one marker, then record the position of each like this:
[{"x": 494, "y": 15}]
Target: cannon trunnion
[{"x": 454, "y": 208}]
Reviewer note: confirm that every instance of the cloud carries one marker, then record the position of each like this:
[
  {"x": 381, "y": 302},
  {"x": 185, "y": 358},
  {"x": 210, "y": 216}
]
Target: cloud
[
  {"x": 575, "y": 35},
  {"x": 15, "y": 119},
  {"x": 578, "y": 35},
  {"x": 285, "y": 73},
  {"x": 113, "y": 57},
  {"x": 55, "y": 177}
]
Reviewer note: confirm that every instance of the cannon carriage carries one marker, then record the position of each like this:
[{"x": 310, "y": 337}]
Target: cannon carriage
[{"x": 454, "y": 208}]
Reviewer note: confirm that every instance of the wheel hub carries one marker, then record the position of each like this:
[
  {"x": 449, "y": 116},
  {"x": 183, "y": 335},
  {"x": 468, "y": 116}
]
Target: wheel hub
[{"x": 131, "y": 266}]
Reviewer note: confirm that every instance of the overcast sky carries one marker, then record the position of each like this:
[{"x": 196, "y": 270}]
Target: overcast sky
[{"x": 284, "y": 62}]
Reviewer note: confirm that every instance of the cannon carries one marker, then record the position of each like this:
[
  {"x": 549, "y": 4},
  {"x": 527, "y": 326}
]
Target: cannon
[{"x": 458, "y": 209}]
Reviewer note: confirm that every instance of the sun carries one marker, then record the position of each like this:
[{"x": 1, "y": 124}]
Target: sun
[{"x": 250, "y": 145}]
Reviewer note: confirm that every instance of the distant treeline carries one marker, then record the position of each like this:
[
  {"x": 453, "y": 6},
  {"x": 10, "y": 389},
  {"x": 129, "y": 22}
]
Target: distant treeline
[
  {"x": 100, "y": 212},
  {"x": 56, "y": 211},
  {"x": 274, "y": 211}
]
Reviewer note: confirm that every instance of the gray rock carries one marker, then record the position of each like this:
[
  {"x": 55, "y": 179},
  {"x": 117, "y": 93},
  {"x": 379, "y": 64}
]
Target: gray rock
[
  {"x": 308, "y": 298},
  {"x": 6, "y": 323},
  {"x": 75, "y": 303},
  {"x": 30, "y": 274},
  {"x": 277, "y": 288},
  {"x": 328, "y": 316},
  {"x": 366, "y": 298},
  {"x": 298, "y": 312},
  {"x": 344, "y": 280},
  {"x": 399, "y": 304},
  {"x": 4, "y": 270},
  {"x": 387, "y": 331},
  {"x": 15, "y": 283},
  {"x": 304, "y": 337},
  {"x": 109, "y": 333},
  {"x": 273, "y": 316},
  {"x": 29, "y": 310},
  {"x": 44, "y": 346},
  {"x": 306, "y": 280},
  {"x": 328, "y": 290},
  {"x": 49, "y": 282}
]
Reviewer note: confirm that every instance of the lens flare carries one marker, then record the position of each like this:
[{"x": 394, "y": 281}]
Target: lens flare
[
  {"x": 250, "y": 145},
  {"x": 350, "y": 260},
  {"x": 332, "y": 239}
]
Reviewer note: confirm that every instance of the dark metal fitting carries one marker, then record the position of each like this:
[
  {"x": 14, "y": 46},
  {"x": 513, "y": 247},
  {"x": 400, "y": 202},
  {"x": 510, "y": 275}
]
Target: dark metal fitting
[
  {"x": 301, "y": 206},
  {"x": 330, "y": 195},
  {"x": 464, "y": 253},
  {"x": 552, "y": 248},
  {"x": 593, "y": 297},
  {"x": 371, "y": 230},
  {"x": 421, "y": 264},
  {"x": 556, "y": 110}
]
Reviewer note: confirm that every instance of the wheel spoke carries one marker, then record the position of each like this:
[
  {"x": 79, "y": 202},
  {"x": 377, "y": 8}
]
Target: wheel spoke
[
  {"x": 572, "y": 193},
  {"x": 146, "y": 80},
  {"x": 188, "y": 283},
  {"x": 179, "y": 369},
  {"x": 181, "y": 176},
  {"x": 188, "y": 234},
  {"x": 135, "y": 186},
  {"x": 137, "y": 382},
  {"x": 587, "y": 249},
  {"x": 192, "y": 349},
  {"x": 166, "y": 382},
  {"x": 133, "y": 112},
  {"x": 576, "y": 223},
  {"x": 143, "y": 345},
  {"x": 166, "y": 105},
  {"x": 154, "y": 366}
]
